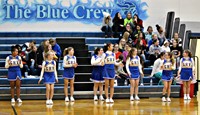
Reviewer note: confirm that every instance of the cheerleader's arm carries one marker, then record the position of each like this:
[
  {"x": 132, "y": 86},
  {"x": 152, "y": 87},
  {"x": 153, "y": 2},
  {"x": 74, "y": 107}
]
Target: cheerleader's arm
[
  {"x": 65, "y": 65},
  {"x": 127, "y": 66},
  {"x": 7, "y": 63},
  {"x": 42, "y": 71},
  {"x": 21, "y": 64},
  {"x": 55, "y": 72},
  {"x": 95, "y": 62}
]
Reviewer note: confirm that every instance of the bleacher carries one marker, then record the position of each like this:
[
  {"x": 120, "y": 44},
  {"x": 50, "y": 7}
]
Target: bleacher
[{"x": 84, "y": 44}]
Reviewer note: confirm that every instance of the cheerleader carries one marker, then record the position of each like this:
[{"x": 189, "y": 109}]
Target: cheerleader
[
  {"x": 69, "y": 63},
  {"x": 134, "y": 70},
  {"x": 186, "y": 72},
  {"x": 167, "y": 75},
  {"x": 50, "y": 76},
  {"x": 110, "y": 62},
  {"x": 98, "y": 72},
  {"x": 13, "y": 64}
]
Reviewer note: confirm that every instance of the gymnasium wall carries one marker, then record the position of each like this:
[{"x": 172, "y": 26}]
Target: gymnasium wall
[{"x": 86, "y": 15}]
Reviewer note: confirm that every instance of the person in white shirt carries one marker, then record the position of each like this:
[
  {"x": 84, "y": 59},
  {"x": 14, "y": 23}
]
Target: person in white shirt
[{"x": 165, "y": 48}]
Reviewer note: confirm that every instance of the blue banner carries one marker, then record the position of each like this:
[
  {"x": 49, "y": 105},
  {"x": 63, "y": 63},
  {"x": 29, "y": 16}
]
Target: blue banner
[{"x": 84, "y": 11}]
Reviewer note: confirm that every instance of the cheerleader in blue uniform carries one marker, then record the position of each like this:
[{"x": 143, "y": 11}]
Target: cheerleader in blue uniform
[
  {"x": 98, "y": 72},
  {"x": 69, "y": 63},
  {"x": 50, "y": 76},
  {"x": 186, "y": 72},
  {"x": 13, "y": 64},
  {"x": 134, "y": 70},
  {"x": 110, "y": 62},
  {"x": 167, "y": 75}
]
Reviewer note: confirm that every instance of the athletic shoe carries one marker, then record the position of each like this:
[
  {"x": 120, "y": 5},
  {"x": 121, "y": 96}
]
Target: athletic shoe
[
  {"x": 47, "y": 102},
  {"x": 188, "y": 97},
  {"x": 137, "y": 98},
  {"x": 185, "y": 97},
  {"x": 164, "y": 99},
  {"x": 50, "y": 102},
  {"x": 131, "y": 98},
  {"x": 168, "y": 99},
  {"x": 107, "y": 100},
  {"x": 72, "y": 99},
  {"x": 111, "y": 100},
  {"x": 101, "y": 98},
  {"x": 12, "y": 100},
  {"x": 66, "y": 99},
  {"x": 19, "y": 100},
  {"x": 95, "y": 98}
]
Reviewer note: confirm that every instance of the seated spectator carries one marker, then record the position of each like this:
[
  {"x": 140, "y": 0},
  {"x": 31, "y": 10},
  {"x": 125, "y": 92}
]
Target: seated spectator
[
  {"x": 126, "y": 51},
  {"x": 122, "y": 44},
  {"x": 154, "y": 51},
  {"x": 56, "y": 49},
  {"x": 154, "y": 37},
  {"x": 141, "y": 48},
  {"x": 148, "y": 34},
  {"x": 141, "y": 37},
  {"x": 128, "y": 32},
  {"x": 32, "y": 61},
  {"x": 129, "y": 20},
  {"x": 161, "y": 35},
  {"x": 138, "y": 21},
  {"x": 156, "y": 71},
  {"x": 118, "y": 25},
  {"x": 27, "y": 46},
  {"x": 136, "y": 33},
  {"x": 178, "y": 40},
  {"x": 165, "y": 48},
  {"x": 107, "y": 25},
  {"x": 116, "y": 51},
  {"x": 177, "y": 51}
]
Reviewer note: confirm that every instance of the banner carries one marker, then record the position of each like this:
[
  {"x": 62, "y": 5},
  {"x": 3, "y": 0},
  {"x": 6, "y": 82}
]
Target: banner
[{"x": 19, "y": 12}]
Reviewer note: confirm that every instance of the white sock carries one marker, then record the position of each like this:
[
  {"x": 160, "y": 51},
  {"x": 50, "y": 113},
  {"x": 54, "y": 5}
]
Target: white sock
[
  {"x": 185, "y": 95},
  {"x": 188, "y": 95}
]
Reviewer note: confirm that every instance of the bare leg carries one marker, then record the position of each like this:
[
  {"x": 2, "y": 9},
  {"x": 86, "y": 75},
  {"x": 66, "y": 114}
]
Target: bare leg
[
  {"x": 12, "y": 89},
  {"x": 101, "y": 88},
  {"x": 51, "y": 91},
  {"x": 106, "y": 88},
  {"x": 18, "y": 84},
  {"x": 165, "y": 87},
  {"x": 112, "y": 87},
  {"x": 66, "y": 87},
  {"x": 136, "y": 86},
  {"x": 47, "y": 91},
  {"x": 72, "y": 87},
  {"x": 132, "y": 83},
  {"x": 184, "y": 87},
  {"x": 188, "y": 87},
  {"x": 95, "y": 88},
  {"x": 169, "y": 88}
]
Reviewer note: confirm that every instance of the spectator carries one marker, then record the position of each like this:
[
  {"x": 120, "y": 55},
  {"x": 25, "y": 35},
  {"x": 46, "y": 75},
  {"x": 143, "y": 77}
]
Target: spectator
[
  {"x": 128, "y": 20},
  {"x": 27, "y": 46},
  {"x": 178, "y": 40},
  {"x": 32, "y": 61},
  {"x": 148, "y": 34},
  {"x": 40, "y": 51},
  {"x": 154, "y": 51},
  {"x": 141, "y": 48},
  {"x": 116, "y": 51},
  {"x": 138, "y": 21},
  {"x": 165, "y": 48},
  {"x": 128, "y": 32},
  {"x": 136, "y": 33},
  {"x": 107, "y": 25},
  {"x": 118, "y": 25},
  {"x": 177, "y": 51},
  {"x": 140, "y": 36},
  {"x": 161, "y": 35},
  {"x": 126, "y": 51},
  {"x": 154, "y": 37},
  {"x": 122, "y": 44},
  {"x": 47, "y": 49},
  {"x": 56, "y": 49}
]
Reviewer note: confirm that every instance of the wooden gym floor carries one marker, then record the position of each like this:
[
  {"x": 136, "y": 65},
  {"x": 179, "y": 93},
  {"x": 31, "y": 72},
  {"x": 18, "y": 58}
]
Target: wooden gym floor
[{"x": 151, "y": 106}]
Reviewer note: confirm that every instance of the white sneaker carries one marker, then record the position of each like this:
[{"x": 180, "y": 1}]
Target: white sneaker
[
  {"x": 111, "y": 100},
  {"x": 19, "y": 100},
  {"x": 66, "y": 99},
  {"x": 185, "y": 98},
  {"x": 95, "y": 98},
  {"x": 47, "y": 102},
  {"x": 137, "y": 98},
  {"x": 50, "y": 102},
  {"x": 141, "y": 84},
  {"x": 168, "y": 99},
  {"x": 101, "y": 98},
  {"x": 12, "y": 100},
  {"x": 72, "y": 99},
  {"x": 131, "y": 98},
  {"x": 107, "y": 100},
  {"x": 164, "y": 99},
  {"x": 188, "y": 97}
]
